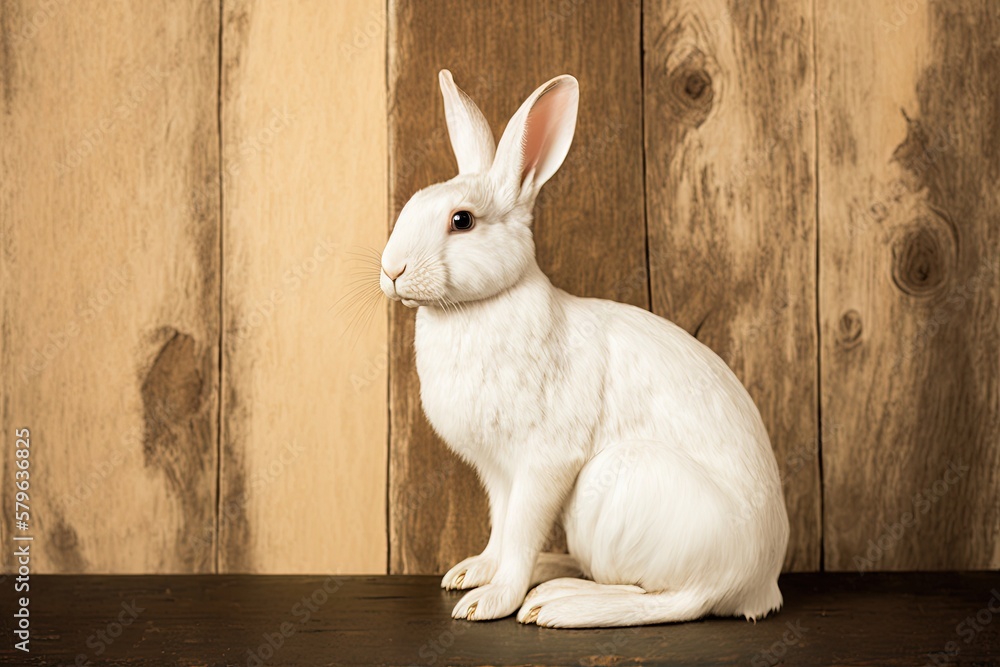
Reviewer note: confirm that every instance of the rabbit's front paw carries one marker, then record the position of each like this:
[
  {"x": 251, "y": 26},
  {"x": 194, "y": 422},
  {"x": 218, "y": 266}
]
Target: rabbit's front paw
[
  {"x": 470, "y": 573},
  {"x": 489, "y": 602}
]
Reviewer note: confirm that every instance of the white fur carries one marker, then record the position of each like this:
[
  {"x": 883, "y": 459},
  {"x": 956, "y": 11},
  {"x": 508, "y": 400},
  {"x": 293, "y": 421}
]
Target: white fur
[{"x": 616, "y": 421}]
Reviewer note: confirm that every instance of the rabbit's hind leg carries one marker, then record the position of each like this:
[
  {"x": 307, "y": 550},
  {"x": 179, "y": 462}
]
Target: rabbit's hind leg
[
  {"x": 556, "y": 589},
  {"x": 613, "y": 605},
  {"x": 578, "y": 603}
]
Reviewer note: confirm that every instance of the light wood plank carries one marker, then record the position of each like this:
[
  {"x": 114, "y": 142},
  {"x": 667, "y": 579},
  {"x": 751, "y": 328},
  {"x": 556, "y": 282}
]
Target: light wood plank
[
  {"x": 730, "y": 185},
  {"x": 110, "y": 256},
  {"x": 910, "y": 284},
  {"x": 304, "y": 167},
  {"x": 589, "y": 219}
]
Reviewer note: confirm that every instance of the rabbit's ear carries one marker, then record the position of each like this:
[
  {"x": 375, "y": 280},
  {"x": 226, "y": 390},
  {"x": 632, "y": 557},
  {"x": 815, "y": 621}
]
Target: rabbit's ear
[
  {"x": 538, "y": 136},
  {"x": 471, "y": 138}
]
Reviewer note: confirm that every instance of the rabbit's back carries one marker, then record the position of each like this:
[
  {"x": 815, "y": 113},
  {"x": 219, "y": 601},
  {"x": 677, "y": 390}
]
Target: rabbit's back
[{"x": 663, "y": 384}]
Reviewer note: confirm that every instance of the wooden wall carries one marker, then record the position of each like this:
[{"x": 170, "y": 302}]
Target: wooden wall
[
  {"x": 438, "y": 513},
  {"x": 174, "y": 243},
  {"x": 191, "y": 194},
  {"x": 732, "y": 226},
  {"x": 297, "y": 211},
  {"x": 110, "y": 281},
  {"x": 819, "y": 208},
  {"x": 909, "y": 257}
]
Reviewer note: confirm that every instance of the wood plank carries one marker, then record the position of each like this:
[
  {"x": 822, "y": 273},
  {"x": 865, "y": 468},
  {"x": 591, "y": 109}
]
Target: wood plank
[
  {"x": 304, "y": 417},
  {"x": 589, "y": 219},
  {"x": 828, "y": 619},
  {"x": 110, "y": 257},
  {"x": 910, "y": 288},
  {"x": 731, "y": 188}
]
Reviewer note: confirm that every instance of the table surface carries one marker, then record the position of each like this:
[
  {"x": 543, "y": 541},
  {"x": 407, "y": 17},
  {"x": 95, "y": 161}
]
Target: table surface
[{"x": 828, "y": 619}]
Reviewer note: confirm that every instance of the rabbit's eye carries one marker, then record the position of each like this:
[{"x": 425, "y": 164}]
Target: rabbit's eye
[{"x": 462, "y": 221}]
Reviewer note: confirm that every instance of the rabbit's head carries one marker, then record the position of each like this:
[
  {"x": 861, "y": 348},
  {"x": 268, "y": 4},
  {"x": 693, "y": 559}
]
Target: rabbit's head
[{"x": 470, "y": 238}]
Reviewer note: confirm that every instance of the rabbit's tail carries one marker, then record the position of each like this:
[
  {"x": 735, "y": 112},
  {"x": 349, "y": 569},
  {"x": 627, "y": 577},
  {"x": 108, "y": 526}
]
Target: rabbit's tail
[
  {"x": 761, "y": 603},
  {"x": 605, "y": 606}
]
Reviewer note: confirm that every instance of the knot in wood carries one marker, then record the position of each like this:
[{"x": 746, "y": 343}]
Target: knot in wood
[
  {"x": 63, "y": 536},
  {"x": 173, "y": 388},
  {"x": 849, "y": 329},
  {"x": 920, "y": 259},
  {"x": 696, "y": 84},
  {"x": 690, "y": 89}
]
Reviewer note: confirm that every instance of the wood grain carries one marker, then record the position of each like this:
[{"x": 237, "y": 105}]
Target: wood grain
[
  {"x": 731, "y": 184},
  {"x": 589, "y": 220},
  {"x": 110, "y": 257},
  {"x": 797, "y": 171},
  {"x": 828, "y": 619},
  {"x": 910, "y": 290},
  {"x": 305, "y": 421}
]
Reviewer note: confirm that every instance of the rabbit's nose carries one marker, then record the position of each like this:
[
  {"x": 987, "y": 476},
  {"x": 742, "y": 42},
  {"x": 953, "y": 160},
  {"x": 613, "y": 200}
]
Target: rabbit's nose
[{"x": 393, "y": 273}]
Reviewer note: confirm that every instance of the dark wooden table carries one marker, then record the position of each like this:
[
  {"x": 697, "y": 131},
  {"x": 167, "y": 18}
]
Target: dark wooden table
[{"x": 831, "y": 619}]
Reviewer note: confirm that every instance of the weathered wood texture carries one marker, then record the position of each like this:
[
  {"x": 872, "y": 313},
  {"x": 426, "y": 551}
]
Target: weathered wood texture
[
  {"x": 305, "y": 421},
  {"x": 909, "y": 251},
  {"x": 110, "y": 257},
  {"x": 589, "y": 218},
  {"x": 828, "y": 619},
  {"x": 862, "y": 141},
  {"x": 730, "y": 185}
]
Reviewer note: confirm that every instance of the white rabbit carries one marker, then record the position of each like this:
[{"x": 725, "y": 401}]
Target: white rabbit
[{"x": 637, "y": 435}]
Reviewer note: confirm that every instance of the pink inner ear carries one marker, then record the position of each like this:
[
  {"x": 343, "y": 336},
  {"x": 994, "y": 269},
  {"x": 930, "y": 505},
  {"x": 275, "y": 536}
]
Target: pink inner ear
[{"x": 541, "y": 127}]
